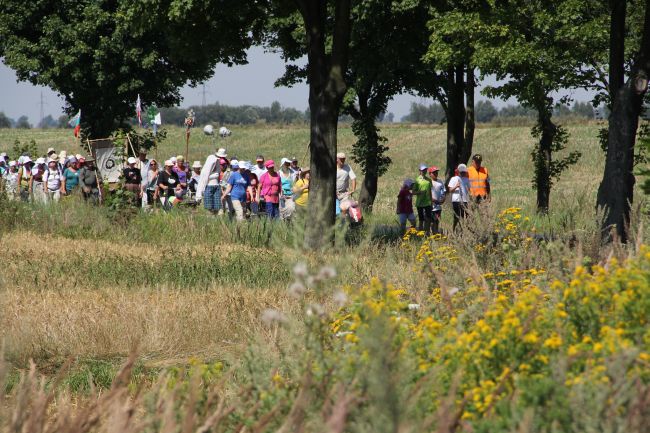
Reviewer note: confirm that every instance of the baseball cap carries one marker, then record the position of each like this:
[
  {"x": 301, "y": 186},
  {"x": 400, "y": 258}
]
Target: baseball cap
[
  {"x": 423, "y": 167},
  {"x": 234, "y": 163},
  {"x": 408, "y": 183},
  {"x": 462, "y": 168},
  {"x": 285, "y": 161},
  {"x": 433, "y": 169},
  {"x": 340, "y": 155},
  {"x": 269, "y": 163},
  {"x": 197, "y": 164},
  {"x": 131, "y": 160},
  {"x": 477, "y": 157}
]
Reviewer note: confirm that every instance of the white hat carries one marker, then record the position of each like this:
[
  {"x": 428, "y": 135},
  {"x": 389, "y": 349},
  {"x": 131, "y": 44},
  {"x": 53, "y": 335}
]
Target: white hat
[
  {"x": 63, "y": 154},
  {"x": 40, "y": 161},
  {"x": 12, "y": 163},
  {"x": 284, "y": 161},
  {"x": 168, "y": 163},
  {"x": 221, "y": 153},
  {"x": 78, "y": 156},
  {"x": 131, "y": 160},
  {"x": 234, "y": 163},
  {"x": 462, "y": 168},
  {"x": 173, "y": 159},
  {"x": 3, "y": 154},
  {"x": 54, "y": 157},
  {"x": 25, "y": 159},
  {"x": 340, "y": 155},
  {"x": 50, "y": 150},
  {"x": 197, "y": 164},
  {"x": 51, "y": 160},
  {"x": 246, "y": 165}
]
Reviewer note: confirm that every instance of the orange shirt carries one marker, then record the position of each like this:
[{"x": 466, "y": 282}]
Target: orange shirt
[{"x": 478, "y": 181}]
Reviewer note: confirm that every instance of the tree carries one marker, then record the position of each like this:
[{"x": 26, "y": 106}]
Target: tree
[
  {"x": 5, "y": 122},
  {"x": 539, "y": 48},
  {"x": 583, "y": 109},
  {"x": 616, "y": 191},
  {"x": 99, "y": 55},
  {"x": 47, "y": 122},
  {"x": 485, "y": 111},
  {"x": 23, "y": 123},
  {"x": 322, "y": 29}
]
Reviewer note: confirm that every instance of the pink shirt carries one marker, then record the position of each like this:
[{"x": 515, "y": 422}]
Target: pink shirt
[{"x": 270, "y": 187}]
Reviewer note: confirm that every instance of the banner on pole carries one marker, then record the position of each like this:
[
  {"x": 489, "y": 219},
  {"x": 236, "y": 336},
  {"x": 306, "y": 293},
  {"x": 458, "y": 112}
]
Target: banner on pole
[{"x": 108, "y": 159}]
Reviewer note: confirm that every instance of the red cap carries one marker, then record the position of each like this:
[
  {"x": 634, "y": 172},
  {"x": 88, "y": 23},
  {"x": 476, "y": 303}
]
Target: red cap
[{"x": 433, "y": 168}]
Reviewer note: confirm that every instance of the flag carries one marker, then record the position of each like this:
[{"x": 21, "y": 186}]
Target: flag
[
  {"x": 138, "y": 110},
  {"x": 76, "y": 123}
]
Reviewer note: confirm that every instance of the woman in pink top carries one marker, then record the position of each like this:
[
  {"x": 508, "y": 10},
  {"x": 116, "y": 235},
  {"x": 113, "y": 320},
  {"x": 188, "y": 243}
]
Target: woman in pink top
[{"x": 269, "y": 188}]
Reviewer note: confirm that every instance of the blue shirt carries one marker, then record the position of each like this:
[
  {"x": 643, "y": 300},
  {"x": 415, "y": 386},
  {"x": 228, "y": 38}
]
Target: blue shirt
[
  {"x": 71, "y": 179},
  {"x": 239, "y": 184}
]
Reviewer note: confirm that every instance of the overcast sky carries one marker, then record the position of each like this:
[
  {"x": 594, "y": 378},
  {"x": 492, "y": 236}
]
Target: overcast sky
[{"x": 248, "y": 84}]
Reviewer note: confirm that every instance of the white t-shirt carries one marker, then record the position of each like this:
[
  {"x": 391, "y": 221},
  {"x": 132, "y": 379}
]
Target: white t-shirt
[
  {"x": 53, "y": 180},
  {"x": 343, "y": 177},
  {"x": 461, "y": 194},
  {"x": 438, "y": 192},
  {"x": 257, "y": 171}
]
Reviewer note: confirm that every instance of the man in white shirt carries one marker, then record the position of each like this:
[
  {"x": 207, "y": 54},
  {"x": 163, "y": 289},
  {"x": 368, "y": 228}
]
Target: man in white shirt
[
  {"x": 438, "y": 193},
  {"x": 259, "y": 169},
  {"x": 459, "y": 189},
  {"x": 346, "y": 180}
]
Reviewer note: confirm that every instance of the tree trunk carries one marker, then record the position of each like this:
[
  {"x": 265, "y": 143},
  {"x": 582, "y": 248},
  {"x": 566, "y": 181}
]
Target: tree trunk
[
  {"x": 543, "y": 158},
  {"x": 326, "y": 90},
  {"x": 616, "y": 48},
  {"x": 455, "y": 118},
  {"x": 470, "y": 120},
  {"x": 371, "y": 173},
  {"x": 616, "y": 191}
]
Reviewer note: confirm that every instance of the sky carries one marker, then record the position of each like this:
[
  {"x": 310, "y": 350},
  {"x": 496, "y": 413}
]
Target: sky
[{"x": 250, "y": 84}]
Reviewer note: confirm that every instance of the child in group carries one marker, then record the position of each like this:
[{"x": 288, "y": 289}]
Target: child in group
[{"x": 405, "y": 205}]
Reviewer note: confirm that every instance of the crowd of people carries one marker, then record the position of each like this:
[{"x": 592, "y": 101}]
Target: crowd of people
[{"x": 240, "y": 189}]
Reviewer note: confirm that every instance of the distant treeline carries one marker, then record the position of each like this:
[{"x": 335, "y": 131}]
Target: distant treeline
[
  {"x": 235, "y": 115},
  {"x": 485, "y": 111}
]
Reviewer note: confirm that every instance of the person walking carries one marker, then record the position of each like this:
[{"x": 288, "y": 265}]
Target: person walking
[
  {"x": 459, "y": 187},
  {"x": 70, "y": 176},
  {"x": 346, "y": 180},
  {"x": 12, "y": 181},
  {"x": 88, "y": 180},
  {"x": 259, "y": 168},
  {"x": 269, "y": 189},
  {"x": 423, "y": 201},
  {"x": 287, "y": 205},
  {"x": 36, "y": 183},
  {"x": 438, "y": 196},
  {"x": 25, "y": 177},
  {"x": 236, "y": 188},
  {"x": 479, "y": 180},
  {"x": 405, "y": 205},
  {"x": 53, "y": 180}
]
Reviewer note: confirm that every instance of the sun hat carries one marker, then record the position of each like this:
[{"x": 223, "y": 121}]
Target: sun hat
[
  {"x": 40, "y": 161},
  {"x": 197, "y": 164},
  {"x": 462, "y": 168},
  {"x": 269, "y": 163},
  {"x": 340, "y": 155},
  {"x": 131, "y": 160},
  {"x": 54, "y": 157},
  {"x": 433, "y": 169},
  {"x": 423, "y": 167},
  {"x": 408, "y": 183},
  {"x": 285, "y": 161},
  {"x": 78, "y": 156},
  {"x": 173, "y": 159},
  {"x": 221, "y": 153},
  {"x": 234, "y": 163},
  {"x": 259, "y": 158},
  {"x": 245, "y": 165},
  {"x": 180, "y": 158},
  {"x": 12, "y": 163},
  {"x": 72, "y": 159},
  {"x": 50, "y": 150},
  {"x": 304, "y": 169},
  {"x": 169, "y": 163},
  {"x": 51, "y": 160}
]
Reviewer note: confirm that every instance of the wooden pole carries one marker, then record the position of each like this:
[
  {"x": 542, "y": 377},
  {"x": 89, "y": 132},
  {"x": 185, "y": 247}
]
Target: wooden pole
[{"x": 187, "y": 144}]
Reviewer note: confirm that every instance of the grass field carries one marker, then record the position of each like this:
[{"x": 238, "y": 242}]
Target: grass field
[{"x": 486, "y": 324}]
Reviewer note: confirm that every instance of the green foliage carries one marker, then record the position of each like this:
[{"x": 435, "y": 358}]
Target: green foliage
[
  {"x": 5, "y": 122},
  {"x": 23, "y": 123},
  {"x": 19, "y": 149},
  {"x": 556, "y": 167},
  {"x": 140, "y": 139},
  {"x": 369, "y": 151},
  {"x": 100, "y": 55}
]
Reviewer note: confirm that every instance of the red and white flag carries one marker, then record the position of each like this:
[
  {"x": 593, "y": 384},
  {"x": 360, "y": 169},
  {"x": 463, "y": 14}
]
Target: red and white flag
[{"x": 138, "y": 110}]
